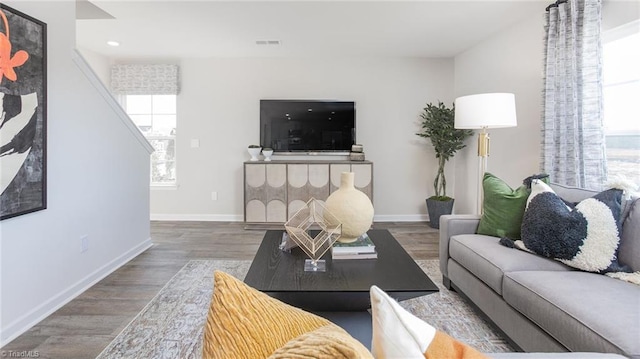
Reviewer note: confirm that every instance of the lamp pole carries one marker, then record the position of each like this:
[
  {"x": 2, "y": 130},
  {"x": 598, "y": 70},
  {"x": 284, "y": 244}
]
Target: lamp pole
[{"x": 483, "y": 153}]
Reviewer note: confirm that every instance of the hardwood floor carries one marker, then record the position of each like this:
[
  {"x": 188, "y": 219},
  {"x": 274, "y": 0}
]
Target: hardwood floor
[{"x": 86, "y": 325}]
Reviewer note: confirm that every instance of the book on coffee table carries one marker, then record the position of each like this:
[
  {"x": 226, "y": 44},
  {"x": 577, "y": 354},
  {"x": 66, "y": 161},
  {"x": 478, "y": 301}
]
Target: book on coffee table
[
  {"x": 339, "y": 256},
  {"x": 362, "y": 245}
]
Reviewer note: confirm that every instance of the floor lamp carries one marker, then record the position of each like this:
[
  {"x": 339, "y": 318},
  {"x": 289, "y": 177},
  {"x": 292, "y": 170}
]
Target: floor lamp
[{"x": 485, "y": 111}]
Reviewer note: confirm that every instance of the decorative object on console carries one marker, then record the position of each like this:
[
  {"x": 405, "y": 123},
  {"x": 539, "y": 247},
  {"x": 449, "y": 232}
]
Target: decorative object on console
[
  {"x": 245, "y": 323},
  {"x": 484, "y": 111},
  {"x": 267, "y": 153},
  {"x": 254, "y": 151},
  {"x": 399, "y": 334},
  {"x": 586, "y": 236},
  {"x": 351, "y": 207},
  {"x": 438, "y": 125},
  {"x": 308, "y": 218},
  {"x": 357, "y": 153}
]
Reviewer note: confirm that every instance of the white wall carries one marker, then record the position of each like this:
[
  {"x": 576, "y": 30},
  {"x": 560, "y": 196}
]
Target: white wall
[
  {"x": 100, "y": 64},
  {"x": 219, "y": 105},
  {"x": 510, "y": 61},
  {"x": 619, "y": 12},
  {"x": 97, "y": 183}
]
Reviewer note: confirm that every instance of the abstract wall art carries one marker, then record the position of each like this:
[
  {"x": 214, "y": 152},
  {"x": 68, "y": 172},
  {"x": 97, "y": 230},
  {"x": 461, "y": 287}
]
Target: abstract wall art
[{"x": 23, "y": 113}]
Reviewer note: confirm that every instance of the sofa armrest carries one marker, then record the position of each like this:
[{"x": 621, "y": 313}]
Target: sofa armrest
[{"x": 452, "y": 225}]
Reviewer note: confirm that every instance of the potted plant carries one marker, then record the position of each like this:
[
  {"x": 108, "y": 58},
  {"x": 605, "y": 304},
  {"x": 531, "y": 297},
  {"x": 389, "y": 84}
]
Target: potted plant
[
  {"x": 254, "y": 151},
  {"x": 438, "y": 125}
]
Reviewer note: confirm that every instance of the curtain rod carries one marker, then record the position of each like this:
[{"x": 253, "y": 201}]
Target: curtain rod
[{"x": 555, "y": 4}]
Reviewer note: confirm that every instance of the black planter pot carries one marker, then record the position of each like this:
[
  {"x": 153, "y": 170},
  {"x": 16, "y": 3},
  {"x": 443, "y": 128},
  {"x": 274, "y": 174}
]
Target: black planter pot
[{"x": 436, "y": 209}]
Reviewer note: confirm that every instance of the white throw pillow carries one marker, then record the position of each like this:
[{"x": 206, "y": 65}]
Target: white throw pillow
[{"x": 399, "y": 334}]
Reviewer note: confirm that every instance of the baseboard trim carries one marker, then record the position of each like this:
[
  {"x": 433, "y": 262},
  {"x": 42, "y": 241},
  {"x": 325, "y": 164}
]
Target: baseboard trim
[
  {"x": 240, "y": 218},
  {"x": 24, "y": 323},
  {"x": 401, "y": 218},
  {"x": 197, "y": 217}
]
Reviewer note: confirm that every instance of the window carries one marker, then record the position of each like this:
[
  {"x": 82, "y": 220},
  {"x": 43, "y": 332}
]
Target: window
[
  {"x": 621, "y": 91},
  {"x": 155, "y": 116}
]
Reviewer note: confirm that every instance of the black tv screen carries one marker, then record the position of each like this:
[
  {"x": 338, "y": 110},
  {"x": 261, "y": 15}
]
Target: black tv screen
[{"x": 307, "y": 125}]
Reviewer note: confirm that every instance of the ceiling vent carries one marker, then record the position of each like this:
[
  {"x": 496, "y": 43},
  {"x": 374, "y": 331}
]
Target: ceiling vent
[{"x": 267, "y": 42}]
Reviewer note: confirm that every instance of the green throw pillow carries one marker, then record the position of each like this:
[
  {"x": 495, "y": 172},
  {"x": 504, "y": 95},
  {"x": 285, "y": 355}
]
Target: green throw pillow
[{"x": 503, "y": 208}]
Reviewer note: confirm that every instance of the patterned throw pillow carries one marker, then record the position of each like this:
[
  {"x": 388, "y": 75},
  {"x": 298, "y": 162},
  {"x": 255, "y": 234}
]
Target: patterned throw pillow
[
  {"x": 586, "y": 236},
  {"x": 245, "y": 323},
  {"x": 399, "y": 334}
]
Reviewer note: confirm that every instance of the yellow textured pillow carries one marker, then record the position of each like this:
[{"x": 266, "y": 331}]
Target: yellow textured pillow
[
  {"x": 328, "y": 342},
  {"x": 399, "y": 334},
  {"x": 245, "y": 323}
]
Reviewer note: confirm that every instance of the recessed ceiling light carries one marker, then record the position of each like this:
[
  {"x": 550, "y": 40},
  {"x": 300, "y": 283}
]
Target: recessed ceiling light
[{"x": 113, "y": 43}]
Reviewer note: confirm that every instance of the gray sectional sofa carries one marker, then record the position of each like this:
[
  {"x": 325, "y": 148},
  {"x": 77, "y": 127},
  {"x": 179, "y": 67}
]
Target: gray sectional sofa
[{"x": 543, "y": 305}]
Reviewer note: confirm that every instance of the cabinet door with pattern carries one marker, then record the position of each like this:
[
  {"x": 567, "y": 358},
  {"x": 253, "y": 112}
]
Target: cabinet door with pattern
[
  {"x": 265, "y": 193},
  {"x": 306, "y": 181},
  {"x": 363, "y": 178}
]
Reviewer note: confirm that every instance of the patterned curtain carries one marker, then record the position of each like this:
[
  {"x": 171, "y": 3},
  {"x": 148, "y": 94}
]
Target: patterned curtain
[
  {"x": 144, "y": 79},
  {"x": 573, "y": 147}
]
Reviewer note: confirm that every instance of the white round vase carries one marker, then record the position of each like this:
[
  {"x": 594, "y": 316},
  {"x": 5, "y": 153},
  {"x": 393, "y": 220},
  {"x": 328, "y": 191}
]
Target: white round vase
[{"x": 352, "y": 208}]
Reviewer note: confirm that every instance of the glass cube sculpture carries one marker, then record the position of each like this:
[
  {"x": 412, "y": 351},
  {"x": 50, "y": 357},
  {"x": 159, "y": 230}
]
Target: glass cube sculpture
[{"x": 309, "y": 219}]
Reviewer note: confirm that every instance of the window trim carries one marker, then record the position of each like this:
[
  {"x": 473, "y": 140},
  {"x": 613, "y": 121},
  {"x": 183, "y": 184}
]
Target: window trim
[
  {"x": 620, "y": 32},
  {"x": 175, "y": 161},
  {"x": 173, "y": 185}
]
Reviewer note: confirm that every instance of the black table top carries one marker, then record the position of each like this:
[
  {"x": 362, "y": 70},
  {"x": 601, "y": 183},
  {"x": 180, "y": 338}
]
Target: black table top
[{"x": 282, "y": 274}]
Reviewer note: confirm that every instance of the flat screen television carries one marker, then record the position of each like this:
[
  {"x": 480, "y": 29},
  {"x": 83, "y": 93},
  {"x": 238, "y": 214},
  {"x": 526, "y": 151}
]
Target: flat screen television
[{"x": 305, "y": 126}]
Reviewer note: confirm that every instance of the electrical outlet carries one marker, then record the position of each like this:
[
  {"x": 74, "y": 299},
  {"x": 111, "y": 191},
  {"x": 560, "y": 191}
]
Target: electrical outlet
[
  {"x": 214, "y": 196},
  {"x": 84, "y": 244}
]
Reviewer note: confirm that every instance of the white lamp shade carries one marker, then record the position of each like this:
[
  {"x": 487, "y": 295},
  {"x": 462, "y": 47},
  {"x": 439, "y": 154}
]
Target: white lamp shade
[{"x": 487, "y": 110}]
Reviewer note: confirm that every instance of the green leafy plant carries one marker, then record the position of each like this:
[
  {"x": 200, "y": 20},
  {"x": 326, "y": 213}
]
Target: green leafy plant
[
  {"x": 254, "y": 146},
  {"x": 438, "y": 125},
  {"x": 267, "y": 149}
]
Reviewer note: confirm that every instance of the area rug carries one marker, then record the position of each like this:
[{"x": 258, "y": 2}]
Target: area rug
[{"x": 170, "y": 326}]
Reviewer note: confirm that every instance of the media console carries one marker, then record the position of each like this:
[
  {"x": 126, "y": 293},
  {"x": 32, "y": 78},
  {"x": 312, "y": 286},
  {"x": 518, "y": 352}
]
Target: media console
[{"x": 274, "y": 191}]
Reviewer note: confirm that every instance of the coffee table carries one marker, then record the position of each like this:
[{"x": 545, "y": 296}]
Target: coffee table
[{"x": 341, "y": 294}]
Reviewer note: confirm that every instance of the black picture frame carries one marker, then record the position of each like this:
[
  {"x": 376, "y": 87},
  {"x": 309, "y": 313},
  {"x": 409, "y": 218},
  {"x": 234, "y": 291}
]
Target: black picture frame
[{"x": 23, "y": 113}]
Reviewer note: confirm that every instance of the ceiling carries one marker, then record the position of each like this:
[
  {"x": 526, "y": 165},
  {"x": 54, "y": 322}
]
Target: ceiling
[{"x": 186, "y": 29}]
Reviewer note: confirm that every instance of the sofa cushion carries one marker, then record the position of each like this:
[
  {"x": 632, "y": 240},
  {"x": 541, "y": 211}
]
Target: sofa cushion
[
  {"x": 572, "y": 194},
  {"x": 488, "y": 260},
  {"x": 629, "y": 253},
  {"x": 400, "y": 334},
  {"x": 583, "y": 311},
  {"x": 585, "y": 237}
]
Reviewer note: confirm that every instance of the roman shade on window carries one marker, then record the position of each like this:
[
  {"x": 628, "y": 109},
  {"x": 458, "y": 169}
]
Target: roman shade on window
[{"x": 145, "y": 79}]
